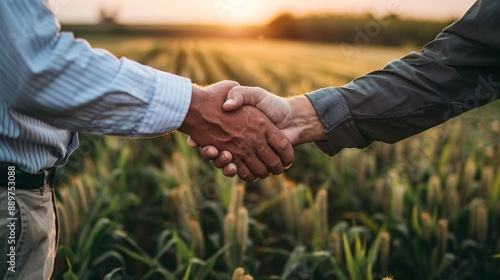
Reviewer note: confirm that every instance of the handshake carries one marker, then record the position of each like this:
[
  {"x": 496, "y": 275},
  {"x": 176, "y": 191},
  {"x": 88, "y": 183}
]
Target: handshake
[{"x": 248, "y": 131}]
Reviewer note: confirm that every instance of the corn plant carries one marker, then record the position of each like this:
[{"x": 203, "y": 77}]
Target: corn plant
[{"x": 424, "y": 208}]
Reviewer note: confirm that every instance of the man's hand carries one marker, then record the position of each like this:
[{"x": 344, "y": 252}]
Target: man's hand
[
  {"x": 296, "y": 117},
  {"x": 279, "y": 110},
  {"x": 254, "y": 144}
]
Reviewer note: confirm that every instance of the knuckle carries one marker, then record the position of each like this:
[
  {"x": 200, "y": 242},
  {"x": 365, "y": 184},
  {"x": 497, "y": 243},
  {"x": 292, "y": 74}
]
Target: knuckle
[
  {"x": 261, "y": 172},
  {"x": 247, "y": 176},
  {"x": 284, "y": 144},
  {"x": 243, "y": 173},
  {"x": 248, "y": 150},
  {"x": 260, "y": 148},
  {"x": 261, "y": 122},
  {"x": 257, "y": 89},
  {"x": 287, "y": 157}
]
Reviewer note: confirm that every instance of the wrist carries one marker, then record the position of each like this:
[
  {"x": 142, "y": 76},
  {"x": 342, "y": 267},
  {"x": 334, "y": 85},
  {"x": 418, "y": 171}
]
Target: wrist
[
  {"x": 306, "y": 120},
  {"x": 193, "y": 113}
]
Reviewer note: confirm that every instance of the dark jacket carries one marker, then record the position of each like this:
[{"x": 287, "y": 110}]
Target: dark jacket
[{"x": 457, "y": 72}]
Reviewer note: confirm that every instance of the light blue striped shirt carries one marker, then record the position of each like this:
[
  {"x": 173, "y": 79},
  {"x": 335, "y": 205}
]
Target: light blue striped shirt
[{"x": 53, "y": 86}]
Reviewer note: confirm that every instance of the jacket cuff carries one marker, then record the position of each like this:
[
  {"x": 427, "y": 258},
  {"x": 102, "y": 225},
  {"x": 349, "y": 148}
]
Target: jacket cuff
[{"x": 340, "y": 128}]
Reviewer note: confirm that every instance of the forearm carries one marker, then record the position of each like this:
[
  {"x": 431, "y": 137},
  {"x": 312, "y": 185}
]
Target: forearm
[
  {"x": 306, "y": 120},
  {"x": 457, "y": 72},
  {"x": 388, "y": 108},
  {"x": 65, "y": 83},
  {"x": 197, "y": 109}
]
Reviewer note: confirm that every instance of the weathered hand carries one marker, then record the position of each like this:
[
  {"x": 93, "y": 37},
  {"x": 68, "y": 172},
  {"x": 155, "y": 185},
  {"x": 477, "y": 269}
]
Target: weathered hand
[
  {"x": 254, "y": 144},
  {"x": 296, "y": 117},
  {"x": 279, "y": 110}
]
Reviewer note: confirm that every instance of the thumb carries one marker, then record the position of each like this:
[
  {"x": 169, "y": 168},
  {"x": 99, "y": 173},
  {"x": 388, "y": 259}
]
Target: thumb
[
  {"x": 239, "y": 96},
  {"x": 234, "y": 100},
  {"x": 222, "y": 86}
]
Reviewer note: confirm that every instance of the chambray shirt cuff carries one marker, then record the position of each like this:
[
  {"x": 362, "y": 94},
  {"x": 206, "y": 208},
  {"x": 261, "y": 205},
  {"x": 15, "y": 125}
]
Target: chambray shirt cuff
[
  {"x": 169, "y": 104},
  {"x": 340, "y": 128}
]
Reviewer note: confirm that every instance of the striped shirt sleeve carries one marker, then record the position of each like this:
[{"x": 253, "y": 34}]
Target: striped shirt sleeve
[{"x": 66, "y": 83}]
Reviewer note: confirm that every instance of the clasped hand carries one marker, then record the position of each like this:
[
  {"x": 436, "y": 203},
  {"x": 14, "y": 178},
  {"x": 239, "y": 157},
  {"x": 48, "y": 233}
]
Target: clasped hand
[
  {"x": 254, "y": 140},
  {"x": 253, "y": 144}
]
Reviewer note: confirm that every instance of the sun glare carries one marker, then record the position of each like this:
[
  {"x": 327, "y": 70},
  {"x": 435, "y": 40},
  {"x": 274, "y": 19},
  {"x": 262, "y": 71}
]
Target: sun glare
[{"x": 239, "y": 12}]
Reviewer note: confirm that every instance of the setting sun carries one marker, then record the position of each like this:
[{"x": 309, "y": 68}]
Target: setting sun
[{"x": 241, "y": 12}]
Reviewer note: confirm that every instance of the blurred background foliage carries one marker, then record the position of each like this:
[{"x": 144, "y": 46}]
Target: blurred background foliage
[{"x": 424, "y": 208}]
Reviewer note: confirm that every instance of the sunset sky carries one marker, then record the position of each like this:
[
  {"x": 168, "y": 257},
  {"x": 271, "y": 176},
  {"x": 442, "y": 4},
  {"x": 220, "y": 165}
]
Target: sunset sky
[{"x": 248, "y": 11}]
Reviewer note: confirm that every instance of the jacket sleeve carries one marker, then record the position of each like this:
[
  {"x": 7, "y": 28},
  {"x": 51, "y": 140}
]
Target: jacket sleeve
[{"x": 456, "y": 72}]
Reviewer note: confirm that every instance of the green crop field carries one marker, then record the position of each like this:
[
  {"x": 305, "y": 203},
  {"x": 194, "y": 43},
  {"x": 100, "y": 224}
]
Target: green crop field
[{"x": 424, "y": 208}]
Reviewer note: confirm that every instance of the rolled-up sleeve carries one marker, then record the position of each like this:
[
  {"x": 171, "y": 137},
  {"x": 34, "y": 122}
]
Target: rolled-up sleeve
[
  {"x": 457, "y": 72},
  {"x": 66, "y": 83}
]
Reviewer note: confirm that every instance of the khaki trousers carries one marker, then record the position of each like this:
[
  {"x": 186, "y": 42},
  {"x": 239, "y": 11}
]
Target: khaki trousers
[{"x": 28, "y": 234}]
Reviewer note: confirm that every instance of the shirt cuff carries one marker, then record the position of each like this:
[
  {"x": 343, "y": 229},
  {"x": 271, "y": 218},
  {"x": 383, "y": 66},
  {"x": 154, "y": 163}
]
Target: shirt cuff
[
  {"x": 168, "y": 106},
  {"x": 340, "y": 128}
]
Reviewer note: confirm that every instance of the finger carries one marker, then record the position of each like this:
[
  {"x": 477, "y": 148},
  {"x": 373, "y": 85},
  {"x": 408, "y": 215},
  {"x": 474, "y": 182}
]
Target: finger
[
  {"x": 209, "y": 152},
  {"x": 281, "y": 146},
  {"x": 256, "y": 166},
  {"x": 239, "y": 96},
  {"x": 244, "y": 172},
  {"x": 230, "y": 170},
  {"x": 191, "y": 143},
  {"x": 223, "y": 159},
  {"x": 270, "y": 159}
]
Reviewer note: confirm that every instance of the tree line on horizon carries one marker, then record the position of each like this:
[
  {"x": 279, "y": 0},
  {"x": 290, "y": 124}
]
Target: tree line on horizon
[
  {"x": 359, "y": 30},
  {"x": 362, "y": 30}
]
